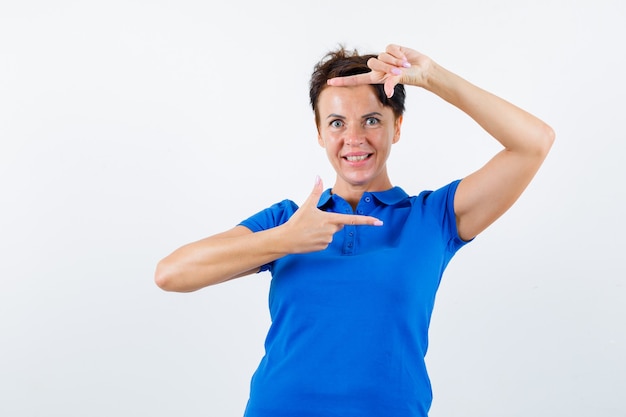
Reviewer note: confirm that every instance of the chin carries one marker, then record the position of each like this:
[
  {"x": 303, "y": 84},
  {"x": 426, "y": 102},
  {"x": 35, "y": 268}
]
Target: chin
[{"x": 358, "y": 180}]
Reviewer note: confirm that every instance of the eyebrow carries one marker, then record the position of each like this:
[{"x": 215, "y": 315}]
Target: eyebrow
[{"x": 365, "y": 116}]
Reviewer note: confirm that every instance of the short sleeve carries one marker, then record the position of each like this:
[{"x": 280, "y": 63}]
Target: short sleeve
[
  {"x": 270, "y": 217},
  {"x": 441, "y": 204}
]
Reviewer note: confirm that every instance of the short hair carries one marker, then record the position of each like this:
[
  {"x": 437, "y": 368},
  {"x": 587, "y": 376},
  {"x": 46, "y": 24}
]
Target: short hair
[{"x": 343, "y": 62}]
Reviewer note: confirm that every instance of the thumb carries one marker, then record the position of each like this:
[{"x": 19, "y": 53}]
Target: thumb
[
  {"x": 314, "y": 197},
  {"x": 389, "y": 86}
]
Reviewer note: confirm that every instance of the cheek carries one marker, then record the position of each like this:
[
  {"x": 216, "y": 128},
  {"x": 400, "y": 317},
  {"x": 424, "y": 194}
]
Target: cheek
[{"x": 327, "y": 141}]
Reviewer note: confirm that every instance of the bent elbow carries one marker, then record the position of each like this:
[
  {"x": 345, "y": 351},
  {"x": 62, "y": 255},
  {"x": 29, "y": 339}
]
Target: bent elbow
[
  {"x": 548, "y": 137},
  {"x": 163, "y": 277},
  {"x": 169, "y": 277}
]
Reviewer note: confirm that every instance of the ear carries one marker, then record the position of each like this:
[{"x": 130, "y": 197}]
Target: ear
[
  {"x": 320, "y": 141},
  {"x": 398, "y": 125}
]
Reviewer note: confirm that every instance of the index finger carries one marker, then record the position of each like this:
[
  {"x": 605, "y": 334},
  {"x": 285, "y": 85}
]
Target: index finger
[
  {"x": 354, "y": 220},
  {"x": 351, "y": 80}
]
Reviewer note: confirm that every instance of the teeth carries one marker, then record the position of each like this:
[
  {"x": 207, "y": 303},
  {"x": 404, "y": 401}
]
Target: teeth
[{"x": 356, "y": 158}]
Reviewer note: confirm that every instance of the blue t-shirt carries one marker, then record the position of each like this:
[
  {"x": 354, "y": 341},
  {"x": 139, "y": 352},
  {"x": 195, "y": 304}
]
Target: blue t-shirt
[{"x": 349, "y": 324}]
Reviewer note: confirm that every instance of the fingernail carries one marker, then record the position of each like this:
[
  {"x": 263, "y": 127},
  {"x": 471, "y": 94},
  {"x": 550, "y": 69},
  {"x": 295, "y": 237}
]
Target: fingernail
[
  {"x": 378, "y": 223},
  {"x": 317, "y": 179},
  {"x": 406, "y": 64},
  {"x": 396, "y": 71}
]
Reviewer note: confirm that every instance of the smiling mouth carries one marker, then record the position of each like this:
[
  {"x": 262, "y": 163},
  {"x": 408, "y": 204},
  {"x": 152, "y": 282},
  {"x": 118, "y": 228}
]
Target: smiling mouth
[{"x": 357, "y": 158}]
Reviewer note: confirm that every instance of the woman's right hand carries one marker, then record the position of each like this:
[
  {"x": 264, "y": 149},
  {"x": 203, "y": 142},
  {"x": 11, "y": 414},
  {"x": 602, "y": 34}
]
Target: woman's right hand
[
  {"x": 310, "y": 229},
  {"x": 239, "y": 252}
]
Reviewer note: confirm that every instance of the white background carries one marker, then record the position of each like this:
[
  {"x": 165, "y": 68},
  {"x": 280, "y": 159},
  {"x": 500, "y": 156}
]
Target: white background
[{"x": 128, "y": 128}]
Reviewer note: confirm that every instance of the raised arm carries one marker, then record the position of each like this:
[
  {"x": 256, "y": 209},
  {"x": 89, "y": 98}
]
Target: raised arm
[
  {"x": 239, "y": 252},
  {"x": 486, "y": 194}
]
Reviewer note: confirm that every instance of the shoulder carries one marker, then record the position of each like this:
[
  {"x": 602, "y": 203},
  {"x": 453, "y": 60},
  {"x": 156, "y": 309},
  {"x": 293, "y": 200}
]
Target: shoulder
[
  {"x": 396, "y": 197},
  {"x": 442, "y": 195},
  {"x": 438, "y": 205},
  {"x": 272, "y": 216}
]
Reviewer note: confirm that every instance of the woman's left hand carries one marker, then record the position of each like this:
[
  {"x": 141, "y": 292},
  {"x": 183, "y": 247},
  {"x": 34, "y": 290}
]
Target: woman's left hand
[
  {"x": 487, "y": 193},
  {"x": 397, "y": 65}
]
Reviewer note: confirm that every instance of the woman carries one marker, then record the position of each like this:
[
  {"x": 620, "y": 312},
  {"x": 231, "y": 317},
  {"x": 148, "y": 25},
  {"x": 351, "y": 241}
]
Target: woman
[{"x": 355, "y": 268}]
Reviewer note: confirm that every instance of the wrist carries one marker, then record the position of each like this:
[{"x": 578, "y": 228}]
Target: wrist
[{"x": 432, "y": 77}]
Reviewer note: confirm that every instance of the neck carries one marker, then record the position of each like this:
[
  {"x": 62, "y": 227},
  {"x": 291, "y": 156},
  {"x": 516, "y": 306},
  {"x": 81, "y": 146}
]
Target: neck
[{"x": 352, "y": 193}]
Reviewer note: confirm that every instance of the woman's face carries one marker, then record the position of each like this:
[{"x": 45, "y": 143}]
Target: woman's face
[{"x": 357, "y": 132}]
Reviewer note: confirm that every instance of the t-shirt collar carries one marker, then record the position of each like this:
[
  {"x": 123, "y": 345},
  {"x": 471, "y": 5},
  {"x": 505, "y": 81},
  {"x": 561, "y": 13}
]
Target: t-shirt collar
[{"x": 388, "y": 197}]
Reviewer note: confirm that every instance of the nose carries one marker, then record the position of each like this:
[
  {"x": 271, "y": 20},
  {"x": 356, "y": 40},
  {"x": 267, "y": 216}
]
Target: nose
[{"x": 355, "y": 136}]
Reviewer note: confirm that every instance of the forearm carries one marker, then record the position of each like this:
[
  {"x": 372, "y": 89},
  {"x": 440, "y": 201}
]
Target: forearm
[
  {"x": 516, "y": 129},
  {"x": 218, "y": 258}
]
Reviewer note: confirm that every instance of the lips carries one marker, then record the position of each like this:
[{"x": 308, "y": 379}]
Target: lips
[{"x": 357, "y": 157}]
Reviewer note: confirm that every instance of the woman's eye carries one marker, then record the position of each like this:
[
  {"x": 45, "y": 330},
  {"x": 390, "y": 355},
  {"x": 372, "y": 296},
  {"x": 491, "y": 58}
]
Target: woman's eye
[
  {"x": 336, "y": 123},
  {"x": 371, "y": 121}
]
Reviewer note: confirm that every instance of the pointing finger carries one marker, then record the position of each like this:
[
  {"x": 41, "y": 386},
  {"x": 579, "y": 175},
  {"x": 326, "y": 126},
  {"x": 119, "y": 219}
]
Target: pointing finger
[
  {"x": 355, "y": 220},
  {"x": 351, "y": 80}
]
